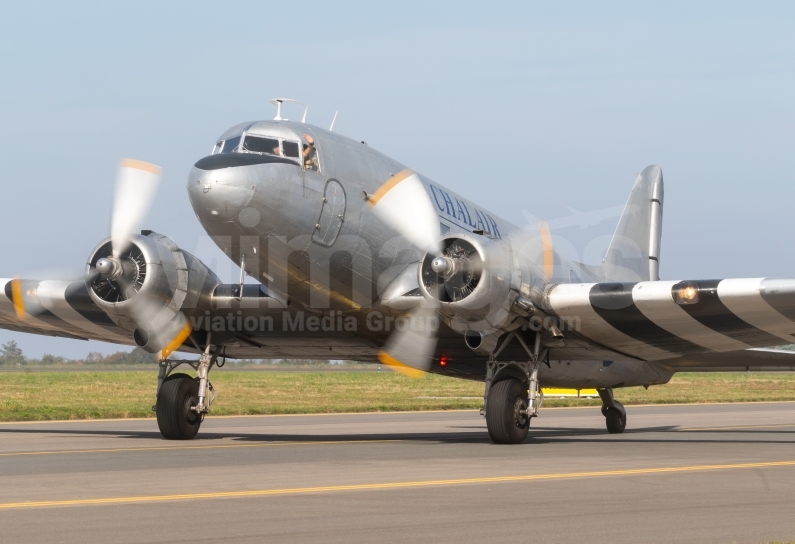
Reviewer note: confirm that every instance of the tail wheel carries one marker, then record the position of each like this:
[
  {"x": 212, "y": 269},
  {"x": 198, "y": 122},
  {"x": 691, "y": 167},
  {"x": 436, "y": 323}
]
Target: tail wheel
[
  {"x": 178, "y": 394},
  {"x": 506, "y": 412}
]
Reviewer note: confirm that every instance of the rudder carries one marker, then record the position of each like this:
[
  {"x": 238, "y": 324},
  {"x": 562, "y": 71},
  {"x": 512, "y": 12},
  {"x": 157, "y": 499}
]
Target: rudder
[{"x": 634, "y": 252}]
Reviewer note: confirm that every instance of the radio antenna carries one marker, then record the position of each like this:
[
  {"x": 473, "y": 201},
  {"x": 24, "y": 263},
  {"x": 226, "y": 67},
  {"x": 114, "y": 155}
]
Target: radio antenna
[
  {"x": 331, "y": 128},
  {"x": 278, "y": 103}
]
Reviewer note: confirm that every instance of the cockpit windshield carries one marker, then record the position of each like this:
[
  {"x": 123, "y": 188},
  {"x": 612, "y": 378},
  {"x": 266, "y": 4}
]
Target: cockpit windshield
[
  {"x": 255, "y": 144},
  {"x": 263, "y": 145},
  {"x": 227, "y": 146}
]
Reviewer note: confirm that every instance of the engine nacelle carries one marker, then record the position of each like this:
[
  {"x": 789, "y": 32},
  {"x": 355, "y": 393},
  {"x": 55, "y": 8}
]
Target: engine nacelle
[
  {"x": 155, "y": 281},
  {"x": 474, "y": 280}
]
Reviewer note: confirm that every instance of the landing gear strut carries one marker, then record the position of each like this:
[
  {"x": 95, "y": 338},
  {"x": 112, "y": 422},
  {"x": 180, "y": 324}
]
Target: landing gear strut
[
  {"x": 182, "y": 401},
  {"x": 512, "y": 395},
  {"x": 614, "y": 412}
]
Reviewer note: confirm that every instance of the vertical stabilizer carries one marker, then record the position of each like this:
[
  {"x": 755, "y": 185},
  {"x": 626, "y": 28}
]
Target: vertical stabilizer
[{"x": 634, "y": 252}]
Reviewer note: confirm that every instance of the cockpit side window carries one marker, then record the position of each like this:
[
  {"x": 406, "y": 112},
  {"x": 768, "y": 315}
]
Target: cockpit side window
[
  {"x": 311, "y": 161},
  {"x": 256, "y": 144},
  {"x": 230, "y": 145},
  {"x": 290, "y": 149}
]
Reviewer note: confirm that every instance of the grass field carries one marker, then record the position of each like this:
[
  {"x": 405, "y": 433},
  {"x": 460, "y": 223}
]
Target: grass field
[{"x": 104, "y": 394}]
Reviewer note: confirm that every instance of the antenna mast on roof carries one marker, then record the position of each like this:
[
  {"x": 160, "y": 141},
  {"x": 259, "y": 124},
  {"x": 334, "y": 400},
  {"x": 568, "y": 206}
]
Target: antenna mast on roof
[
  {"x": 278, "y": 103},
  {"x": 331, "y": 128}
]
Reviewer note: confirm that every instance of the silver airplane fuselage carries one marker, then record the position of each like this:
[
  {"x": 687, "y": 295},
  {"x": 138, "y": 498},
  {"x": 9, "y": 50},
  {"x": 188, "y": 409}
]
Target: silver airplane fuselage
[
  {"x": 308, "y": 235},
  {"x": 264, "y": 209}
]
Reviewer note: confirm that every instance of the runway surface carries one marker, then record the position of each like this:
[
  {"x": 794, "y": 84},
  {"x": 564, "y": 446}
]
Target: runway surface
[{"x": 690, "y": 473}]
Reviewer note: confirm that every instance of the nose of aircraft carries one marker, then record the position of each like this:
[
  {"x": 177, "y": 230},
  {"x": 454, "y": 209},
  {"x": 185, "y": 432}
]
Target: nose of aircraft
[{"x": 219, "y": 194}]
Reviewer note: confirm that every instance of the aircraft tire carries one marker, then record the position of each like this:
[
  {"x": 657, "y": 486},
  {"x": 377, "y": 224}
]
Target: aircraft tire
[
  {"x": 505, "y": 424},
  {"x": 177, "y": 394},
  {"x": 616, "y": 423}
]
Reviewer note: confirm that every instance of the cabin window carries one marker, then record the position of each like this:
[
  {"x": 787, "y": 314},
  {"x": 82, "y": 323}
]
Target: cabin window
[
  {"x": 256, "y": 144},
  {"x": 217, "y": 148},
  {"x": 230, "y": 145},
  {"x": 290, "y": 149}
]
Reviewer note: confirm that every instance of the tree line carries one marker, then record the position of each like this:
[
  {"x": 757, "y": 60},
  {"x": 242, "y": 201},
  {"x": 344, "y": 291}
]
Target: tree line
[{"x": 11, "y": 355}]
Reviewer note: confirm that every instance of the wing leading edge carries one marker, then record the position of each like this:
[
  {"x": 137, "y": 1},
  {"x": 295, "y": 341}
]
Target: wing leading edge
[
  {"x": 662, "y": 320},
  {"x": 58, "y": 308}
]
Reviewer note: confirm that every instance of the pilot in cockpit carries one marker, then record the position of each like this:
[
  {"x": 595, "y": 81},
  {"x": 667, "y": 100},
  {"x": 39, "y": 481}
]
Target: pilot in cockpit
[{"x": 310, "y": 154}]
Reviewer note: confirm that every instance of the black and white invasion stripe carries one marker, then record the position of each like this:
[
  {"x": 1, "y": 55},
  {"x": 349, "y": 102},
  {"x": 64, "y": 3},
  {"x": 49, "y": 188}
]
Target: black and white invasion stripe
[
  {"x": 58, "y": 308},
  {"x": 644, "y": 320}
]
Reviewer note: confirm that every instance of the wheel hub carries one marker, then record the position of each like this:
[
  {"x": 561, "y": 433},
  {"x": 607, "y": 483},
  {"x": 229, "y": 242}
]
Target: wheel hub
[
  {"x": 189, "y": 410},
  {"x": 520, "y": 412}
]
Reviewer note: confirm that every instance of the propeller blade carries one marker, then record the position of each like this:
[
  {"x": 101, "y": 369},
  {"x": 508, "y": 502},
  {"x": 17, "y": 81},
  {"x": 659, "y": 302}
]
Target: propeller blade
[
  {"x": 16, "y": 298},
  {"x": 180, "y": 337},
  {"x": 403, "y": 204},
  {"x": 136, "y": 185},
  {"x": 410, "y": 351}
]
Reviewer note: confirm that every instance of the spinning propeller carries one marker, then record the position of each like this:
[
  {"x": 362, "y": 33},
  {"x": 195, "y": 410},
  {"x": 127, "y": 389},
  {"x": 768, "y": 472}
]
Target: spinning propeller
[
  {"x": 136, "y": 185},
  {"x": 403, "y": 204},
  {"x": 119, "y": 275}
]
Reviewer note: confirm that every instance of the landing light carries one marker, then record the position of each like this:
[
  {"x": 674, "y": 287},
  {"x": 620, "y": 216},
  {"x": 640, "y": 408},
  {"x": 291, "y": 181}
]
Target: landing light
[{"x": 686, "y": 294}]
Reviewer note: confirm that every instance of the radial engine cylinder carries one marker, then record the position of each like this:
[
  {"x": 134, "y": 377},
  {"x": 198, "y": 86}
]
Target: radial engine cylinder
[
  {"x": 148, "y": 286},
  {"x": 474, "y": 281}
]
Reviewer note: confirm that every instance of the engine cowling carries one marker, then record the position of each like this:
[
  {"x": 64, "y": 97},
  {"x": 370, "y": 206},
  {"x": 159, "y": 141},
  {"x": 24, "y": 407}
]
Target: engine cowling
[
  {"x": 150, "y": 286},
  {"x": 474, "y": 281}
]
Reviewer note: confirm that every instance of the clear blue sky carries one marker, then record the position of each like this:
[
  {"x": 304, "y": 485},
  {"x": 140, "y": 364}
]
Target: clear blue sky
[{"x": 533, "y": 106}]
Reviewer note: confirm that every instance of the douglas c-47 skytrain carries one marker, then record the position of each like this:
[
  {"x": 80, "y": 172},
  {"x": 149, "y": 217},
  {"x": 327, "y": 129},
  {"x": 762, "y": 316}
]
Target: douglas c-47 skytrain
[{"x": 358, "y": 257}]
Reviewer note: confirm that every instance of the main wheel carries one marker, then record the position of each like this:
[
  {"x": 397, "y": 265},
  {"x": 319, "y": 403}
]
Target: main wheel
[
  {"x": 615, "y": 420},
  {"x": 178, "y": 394},
  {"x": 504, "y": 419}
]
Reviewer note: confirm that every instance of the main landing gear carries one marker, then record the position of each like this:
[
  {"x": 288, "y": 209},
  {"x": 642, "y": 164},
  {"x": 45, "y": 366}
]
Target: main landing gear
[
  {"x": 507, "y": 415},
  {"x": 512, "y": 396},
  {"x": 614, "y": 412},
  {"x": 182, "y": 401}
]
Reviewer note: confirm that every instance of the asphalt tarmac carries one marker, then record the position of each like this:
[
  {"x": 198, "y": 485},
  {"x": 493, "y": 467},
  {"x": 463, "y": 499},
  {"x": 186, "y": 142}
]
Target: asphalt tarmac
[{"x": 688, "y": 473}]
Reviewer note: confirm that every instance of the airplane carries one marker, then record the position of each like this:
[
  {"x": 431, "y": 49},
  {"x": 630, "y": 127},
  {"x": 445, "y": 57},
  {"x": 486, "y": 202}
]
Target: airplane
[
  {"x": 355, "y": 256},
  {"x": 583, "y": 220}
]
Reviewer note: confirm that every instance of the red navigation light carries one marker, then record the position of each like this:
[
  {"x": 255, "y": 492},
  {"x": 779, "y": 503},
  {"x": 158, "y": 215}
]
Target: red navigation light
[{"x": 443, "y": 360}]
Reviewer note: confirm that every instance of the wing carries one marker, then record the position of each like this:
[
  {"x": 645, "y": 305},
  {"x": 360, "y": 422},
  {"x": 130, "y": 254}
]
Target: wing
[
  {"x": 661, "y": 320},
  {"x": 58, "y": 308},
  {"x": 65, "y": 309},
  {"x": 757, "y": 359}
]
